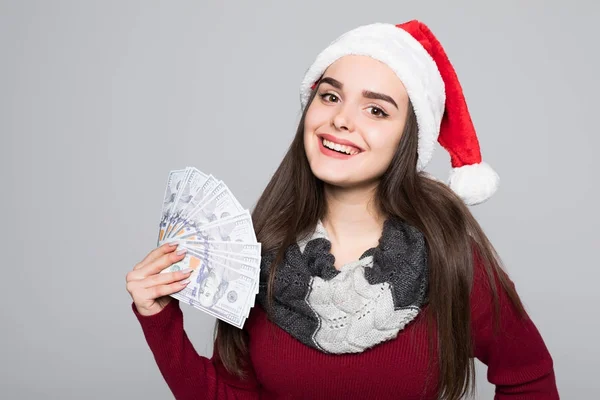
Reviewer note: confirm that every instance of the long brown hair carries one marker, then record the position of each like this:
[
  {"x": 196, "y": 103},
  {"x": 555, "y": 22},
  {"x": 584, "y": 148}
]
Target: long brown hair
[{"x": 293, "y": 202}]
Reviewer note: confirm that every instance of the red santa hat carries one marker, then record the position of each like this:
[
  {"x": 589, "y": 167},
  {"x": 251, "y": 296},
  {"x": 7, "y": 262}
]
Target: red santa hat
[{"x": 419, "y": 60}]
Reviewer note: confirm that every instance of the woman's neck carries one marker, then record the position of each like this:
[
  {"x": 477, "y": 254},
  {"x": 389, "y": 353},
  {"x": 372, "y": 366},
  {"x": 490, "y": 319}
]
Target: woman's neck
[{"x": 352, "y": 214}]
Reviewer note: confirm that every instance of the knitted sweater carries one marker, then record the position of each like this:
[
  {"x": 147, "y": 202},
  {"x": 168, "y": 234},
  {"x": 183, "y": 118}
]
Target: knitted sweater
[{"x": 518, "y": 362}]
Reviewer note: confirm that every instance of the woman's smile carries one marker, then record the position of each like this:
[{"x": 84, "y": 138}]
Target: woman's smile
[{"x": 337, "y": 148}]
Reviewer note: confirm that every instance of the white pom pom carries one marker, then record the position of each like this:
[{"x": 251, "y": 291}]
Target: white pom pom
[{"x": 474, "y": 183}]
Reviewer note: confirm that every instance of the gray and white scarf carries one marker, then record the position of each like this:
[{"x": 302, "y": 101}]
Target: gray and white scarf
[{"x": 349, "y": 310}]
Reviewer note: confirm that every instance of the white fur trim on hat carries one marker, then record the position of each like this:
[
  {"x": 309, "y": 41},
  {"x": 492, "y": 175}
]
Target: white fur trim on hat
[
  {"x": 400, "y": 51},
  {"x": 474, "y": 183}
]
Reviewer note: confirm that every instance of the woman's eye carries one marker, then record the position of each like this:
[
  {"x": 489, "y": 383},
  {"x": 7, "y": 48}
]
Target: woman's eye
[
  {"x": 378, "y": 112},
  {"x": 329, "y": 97}
]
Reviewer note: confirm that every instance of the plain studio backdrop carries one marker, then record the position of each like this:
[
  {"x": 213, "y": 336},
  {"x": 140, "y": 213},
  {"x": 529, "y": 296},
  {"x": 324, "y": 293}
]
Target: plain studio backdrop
[{"x": 100, "y": 100}]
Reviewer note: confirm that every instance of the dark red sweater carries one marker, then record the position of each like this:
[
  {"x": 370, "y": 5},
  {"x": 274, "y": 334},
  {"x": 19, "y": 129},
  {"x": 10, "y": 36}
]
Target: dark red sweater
[{"x": 518, "y": 361}]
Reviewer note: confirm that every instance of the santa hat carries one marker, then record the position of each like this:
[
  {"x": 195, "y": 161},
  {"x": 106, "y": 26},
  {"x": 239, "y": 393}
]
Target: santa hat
[{"x": 418, "y": 59}]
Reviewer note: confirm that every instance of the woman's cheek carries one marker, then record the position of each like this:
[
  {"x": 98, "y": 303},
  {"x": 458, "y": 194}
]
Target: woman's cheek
[
  {"x": 309, "y": 147},
  {"x": 383, "y": 154}
]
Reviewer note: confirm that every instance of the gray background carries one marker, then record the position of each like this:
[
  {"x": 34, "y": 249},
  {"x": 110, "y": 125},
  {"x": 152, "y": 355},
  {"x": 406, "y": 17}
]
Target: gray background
[{"x": 99, "y": 100}]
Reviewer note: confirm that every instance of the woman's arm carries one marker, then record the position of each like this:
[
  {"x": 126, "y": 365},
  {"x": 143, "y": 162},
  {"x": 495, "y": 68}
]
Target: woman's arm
[
  {"x": 518, "y": 361},
  {"x": 189, "y": 375}
]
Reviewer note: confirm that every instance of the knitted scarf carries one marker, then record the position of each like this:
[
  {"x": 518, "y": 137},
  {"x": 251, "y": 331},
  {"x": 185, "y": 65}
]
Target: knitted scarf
[{"x": 349, "y": 310}]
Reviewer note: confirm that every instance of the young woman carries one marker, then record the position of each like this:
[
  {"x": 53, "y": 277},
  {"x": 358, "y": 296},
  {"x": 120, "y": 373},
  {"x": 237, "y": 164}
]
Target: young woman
[{"x": 376, "y": 280}]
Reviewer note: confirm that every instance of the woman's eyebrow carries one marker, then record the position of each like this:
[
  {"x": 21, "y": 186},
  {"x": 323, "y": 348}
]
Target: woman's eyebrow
[
  {"x": 379, "y": 96},
  {"x": 366, "y": 93},
  {"x": 333, "y": 82}
]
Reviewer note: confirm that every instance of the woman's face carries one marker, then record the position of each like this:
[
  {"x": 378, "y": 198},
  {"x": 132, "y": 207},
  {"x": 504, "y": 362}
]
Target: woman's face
[{"x": 359, "y": 110}]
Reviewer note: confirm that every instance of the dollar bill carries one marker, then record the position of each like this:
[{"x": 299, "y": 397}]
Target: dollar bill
[
  {"x": 220, "y": 204},
  {"x": 203, "y": 192},
  {"x": 196, "y": 202},
  {"x": 219, "y": 291},
  {"x": 193, "y": 182},
  {"x": 173, "y": 183},
  {"x": 235, "y": 228},
  {"x": 237, "y": 247},
  {"x": 247, "y": 265},
  {"x": 201, "y": 214},
  {"x": 240, "y": 266},
  {"x": 178, "y": 194},
  {"x": 238, "y": 259}
]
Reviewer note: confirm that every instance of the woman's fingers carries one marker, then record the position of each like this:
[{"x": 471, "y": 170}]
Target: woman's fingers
[
  {"x": 157, "y": 265},
  {"x": 163, "y": 262},
  {"x": 166, "y": 278},
  {"x": 156, "y": 253},
  {"x": 146, "y": 283},
  {"x": 155, "y": 292},
  {"x": 158, "y": 285}
]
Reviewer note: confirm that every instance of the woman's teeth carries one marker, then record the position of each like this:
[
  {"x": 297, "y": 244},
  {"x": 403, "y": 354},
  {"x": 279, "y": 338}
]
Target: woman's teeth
[{"x": 339, "y": 147}]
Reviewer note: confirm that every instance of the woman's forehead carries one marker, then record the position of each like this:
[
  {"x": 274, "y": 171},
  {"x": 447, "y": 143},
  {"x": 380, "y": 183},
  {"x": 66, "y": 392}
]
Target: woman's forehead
[{"x": 356, "y": 72}]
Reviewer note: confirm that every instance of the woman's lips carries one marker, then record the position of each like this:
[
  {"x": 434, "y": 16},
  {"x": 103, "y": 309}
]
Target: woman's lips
[
  {"x": 332, "y": 153},
  {"x": 334, "y": 139}
]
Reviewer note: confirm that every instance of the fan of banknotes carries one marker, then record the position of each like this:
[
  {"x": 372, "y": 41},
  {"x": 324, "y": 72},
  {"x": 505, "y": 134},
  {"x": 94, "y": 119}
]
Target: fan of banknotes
[{"x": 202, "y": 215}]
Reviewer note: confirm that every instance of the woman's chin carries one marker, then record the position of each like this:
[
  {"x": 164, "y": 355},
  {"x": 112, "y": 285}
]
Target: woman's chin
[
  {"x": 345, "y": 179},
  {"x": 332, "y": 178},
  {"x": 341, "y": 179}
]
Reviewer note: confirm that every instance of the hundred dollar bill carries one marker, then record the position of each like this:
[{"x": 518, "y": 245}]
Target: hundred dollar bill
[
  {"x": 173, "y": 184},
  {"x": 202, "y": 193},
  {"x": 250, "y": 259},
  {"x": 220, "y": 292},
  {"x": 247, "y": 249},
  {"x": 217, "y": 190},
  {"x": 241, "y": 268},
  {"x": 220, "y": 204},
  {"x": 201, "y": 213},
  {"x": 235, "y": 258},
  {"x": 197, "y": 200},
  {"x": 189, "y": 261},
  {"x": 178, "y": 194},
  {"x": 249, "y": 266},
  {"x": 199, "y": 262},
  {"x": 193, "y": 182},
  {"x": 248, "y": 269},
  {"x": 235, "y": 228},
  {"x": 251, "y": 271}
]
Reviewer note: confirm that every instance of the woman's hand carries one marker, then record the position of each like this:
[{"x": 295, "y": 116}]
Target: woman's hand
[{"x": 150, "y": 289}]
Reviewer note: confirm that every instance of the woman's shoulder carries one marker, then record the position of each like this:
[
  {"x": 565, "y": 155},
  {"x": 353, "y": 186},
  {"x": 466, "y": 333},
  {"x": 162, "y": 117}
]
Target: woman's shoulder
[{"x": 494, "y": 299}]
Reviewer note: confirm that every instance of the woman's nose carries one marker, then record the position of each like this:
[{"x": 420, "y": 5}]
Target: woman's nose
[{"x": 343, "y": 121}]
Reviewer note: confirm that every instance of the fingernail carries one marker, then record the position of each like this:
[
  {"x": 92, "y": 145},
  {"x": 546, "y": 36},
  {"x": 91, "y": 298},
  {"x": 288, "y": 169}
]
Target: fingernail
[
  {"x": 181, "y": 251},
  {"x": 183, "y": 283},
  {"x": 173, "y": 244},
  {"x": 186, "y": 270}
]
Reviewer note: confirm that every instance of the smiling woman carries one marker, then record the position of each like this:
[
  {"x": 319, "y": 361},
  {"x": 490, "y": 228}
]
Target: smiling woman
[
  {"x": 376, "y": 280},
  {"x": 353, "y": 109}
]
